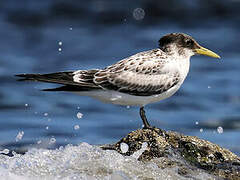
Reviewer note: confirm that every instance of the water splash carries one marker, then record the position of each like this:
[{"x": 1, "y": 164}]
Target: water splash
[
  {"x": 220, "y": 130},
  {"x": 83, "y": 162},
  {"x": 138, "y": 14},
  {"x": 124, "y": 147},
  {"x": 76, "y": 127},
  {"x": 79, "y": 115},
  {"x": 19, "y": 136}
]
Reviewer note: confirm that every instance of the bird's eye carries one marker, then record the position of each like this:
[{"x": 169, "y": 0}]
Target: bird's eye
[{"x": 189, "y": 42}]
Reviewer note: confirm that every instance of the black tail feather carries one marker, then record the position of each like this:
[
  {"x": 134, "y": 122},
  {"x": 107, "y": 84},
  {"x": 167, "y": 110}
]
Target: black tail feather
[
  {"x": 26, "y": 77},
  {"x": 59, "y": 77},
  {"x": 65, "y": 79},
  {"x": 70, "y": 88}
]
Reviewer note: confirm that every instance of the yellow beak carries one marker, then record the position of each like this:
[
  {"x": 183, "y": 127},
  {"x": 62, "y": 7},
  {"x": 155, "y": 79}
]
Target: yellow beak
[{"x": 206, "y": 52}]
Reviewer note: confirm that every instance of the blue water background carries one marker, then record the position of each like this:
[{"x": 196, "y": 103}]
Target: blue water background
[{"x": 95, "y": 35}]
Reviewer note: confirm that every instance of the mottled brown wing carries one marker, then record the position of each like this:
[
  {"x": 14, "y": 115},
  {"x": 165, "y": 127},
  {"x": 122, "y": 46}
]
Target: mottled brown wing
[{"x": 141, "y": 77}]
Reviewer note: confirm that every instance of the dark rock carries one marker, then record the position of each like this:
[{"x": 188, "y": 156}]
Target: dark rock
[{"x": 187, "y": 153}]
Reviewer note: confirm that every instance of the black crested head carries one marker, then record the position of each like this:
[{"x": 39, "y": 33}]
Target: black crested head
[{"x": 180, "y": 39}]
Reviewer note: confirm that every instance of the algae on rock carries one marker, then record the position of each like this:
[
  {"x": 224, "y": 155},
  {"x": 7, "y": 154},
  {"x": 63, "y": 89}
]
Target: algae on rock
[{"x": 187, "y": 153}]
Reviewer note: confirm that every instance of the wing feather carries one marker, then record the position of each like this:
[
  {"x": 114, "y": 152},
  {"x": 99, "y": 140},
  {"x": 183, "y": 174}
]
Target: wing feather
[{"x": 143, "y": 74}]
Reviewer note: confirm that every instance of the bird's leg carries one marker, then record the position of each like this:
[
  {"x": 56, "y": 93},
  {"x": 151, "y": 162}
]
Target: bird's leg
[{"x": 144, "y": 119}]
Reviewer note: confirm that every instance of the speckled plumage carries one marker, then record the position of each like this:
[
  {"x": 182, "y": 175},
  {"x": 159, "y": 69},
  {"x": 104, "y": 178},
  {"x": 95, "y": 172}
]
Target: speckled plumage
[
  {"x": 142, "y": 74},
  {"x": 156, "y": 73},
  {"x": 140, "y": 79}
]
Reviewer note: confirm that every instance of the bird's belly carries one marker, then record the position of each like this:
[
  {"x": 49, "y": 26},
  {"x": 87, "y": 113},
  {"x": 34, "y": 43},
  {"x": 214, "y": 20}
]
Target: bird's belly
[{"x": 119, "y": 98}]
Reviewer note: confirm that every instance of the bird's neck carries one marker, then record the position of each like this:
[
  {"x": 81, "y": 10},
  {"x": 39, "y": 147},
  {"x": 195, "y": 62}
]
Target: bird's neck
[{"x": 180, "y": 57}]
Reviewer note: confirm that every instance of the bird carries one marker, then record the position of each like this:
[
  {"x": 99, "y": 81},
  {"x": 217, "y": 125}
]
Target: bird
[{"x": 143, "y": 78}]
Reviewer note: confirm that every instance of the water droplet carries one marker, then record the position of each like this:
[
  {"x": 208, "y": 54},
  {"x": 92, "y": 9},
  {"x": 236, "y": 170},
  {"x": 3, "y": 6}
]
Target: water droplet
[
  {"x": 19, "y": 136},
  {"x": 52, "y": 140},
  {"x": 128, "y": 107},
  {"x": 70, "y": 28},
  {"x": 45, "y": 114},
  {"x": 138, "y": 153},
  {"x": 47, "y": 127},
  {"x": 76, "y": 127},
  {"x": 79, "y": 115},
  {"x": 124, "y": 147},
  {"x": 201, "y": 130},
  {"x": 59, "y": 49},
  {"x": 196, "y": 122},
  {"x": 209, "y": 87},
  {"x": 39, "y": 142},
  {"x": 60, "y": 43},
  {"x": 26, "y": 105},
  {"x": 144, "y": 145},
  {"x": 220, "y": 130},
  {"x": 138, "y": 13}
]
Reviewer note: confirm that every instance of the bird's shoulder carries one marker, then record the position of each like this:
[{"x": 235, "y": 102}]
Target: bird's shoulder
[{"x": 141, "y": 62}]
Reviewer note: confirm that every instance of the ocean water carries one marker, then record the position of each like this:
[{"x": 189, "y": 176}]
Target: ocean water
[
  {"x": 86, "y": 162},
  {"x": 207, "y": 105}
]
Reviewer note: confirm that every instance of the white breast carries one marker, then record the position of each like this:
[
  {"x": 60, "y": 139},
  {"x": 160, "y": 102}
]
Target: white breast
[{"x": 114, "y": 97}]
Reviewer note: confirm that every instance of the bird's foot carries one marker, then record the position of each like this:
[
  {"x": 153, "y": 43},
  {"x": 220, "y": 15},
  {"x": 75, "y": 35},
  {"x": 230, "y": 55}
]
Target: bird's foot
[
  {"x": 148, "y": 127},
  {"x": 155, "y": 129}
]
